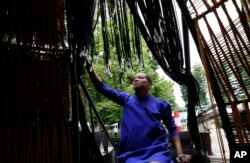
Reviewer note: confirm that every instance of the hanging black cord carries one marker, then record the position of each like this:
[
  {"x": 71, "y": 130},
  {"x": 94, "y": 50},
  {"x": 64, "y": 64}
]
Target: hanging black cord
[
  {"x": 89, "y": 137},
  {"x": 92, "y": 105},
  {"x": 188, "y": 20},
  {"x": 160, "y": 31},
  {"x": 74, "y": 88},
  {"x": 75, "y": 107},
  {"x": 79, "y": 30},
  {"x": 104, "y": 33},
  {"x": 193, "y": 98},
  {"x": 192, "y": 122},
  {"x": 217, "y": 94}
]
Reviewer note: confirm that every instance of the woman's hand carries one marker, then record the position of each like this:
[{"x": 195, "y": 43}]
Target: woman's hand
[
  {"x": 183, "y": 158},
  {"x": 84, "y": 54}
]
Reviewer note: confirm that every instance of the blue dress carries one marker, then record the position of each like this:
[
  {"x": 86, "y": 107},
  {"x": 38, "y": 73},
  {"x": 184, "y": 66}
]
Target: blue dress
[{"x": 143, "y": 137}]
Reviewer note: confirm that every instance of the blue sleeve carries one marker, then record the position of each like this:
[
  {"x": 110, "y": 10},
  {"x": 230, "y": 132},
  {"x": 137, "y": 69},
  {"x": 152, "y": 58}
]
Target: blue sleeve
[
  {"x": 117, "y": 96},
  {"x": 168, "y": 120}
]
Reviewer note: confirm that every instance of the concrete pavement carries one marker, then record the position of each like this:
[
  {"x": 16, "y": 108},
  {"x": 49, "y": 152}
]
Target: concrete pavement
[{"x": 217, "y": 157}]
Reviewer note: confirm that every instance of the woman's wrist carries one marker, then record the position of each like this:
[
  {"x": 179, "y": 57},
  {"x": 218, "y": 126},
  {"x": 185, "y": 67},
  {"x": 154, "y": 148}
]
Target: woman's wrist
[
  {"x": 180, "y": 155},
  {"x": 89, "y": 67}
]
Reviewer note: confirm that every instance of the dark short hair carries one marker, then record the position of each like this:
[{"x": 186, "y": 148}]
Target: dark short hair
[{"x": 149, "y": 78}]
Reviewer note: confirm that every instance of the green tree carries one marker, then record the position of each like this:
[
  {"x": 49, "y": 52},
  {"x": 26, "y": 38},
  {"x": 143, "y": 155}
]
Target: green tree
[
  {"x": 109, "y": 111},
  {"x": 199, "y": 75},
  {"x": 120, "y": 45},
  {"x": 184, "y": 93}
]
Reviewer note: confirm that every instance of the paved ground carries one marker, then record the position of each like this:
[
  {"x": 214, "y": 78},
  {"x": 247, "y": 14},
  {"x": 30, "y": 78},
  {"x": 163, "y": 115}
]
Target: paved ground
[{"x": 216, "y": 147}]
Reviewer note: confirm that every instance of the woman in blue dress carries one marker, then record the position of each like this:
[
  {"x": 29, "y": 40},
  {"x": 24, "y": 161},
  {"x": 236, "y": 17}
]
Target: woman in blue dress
[{"x": 143, "y": 136}]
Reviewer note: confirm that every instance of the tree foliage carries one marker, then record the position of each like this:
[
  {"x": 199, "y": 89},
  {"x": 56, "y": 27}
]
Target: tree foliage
[
  {"x": 120, "y": 71},
  {"x": 199, "y": 75},
  {"x": 109, "y": 111}
]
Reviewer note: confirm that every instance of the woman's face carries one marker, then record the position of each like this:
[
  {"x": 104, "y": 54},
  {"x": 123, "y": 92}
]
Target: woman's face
[{"x": 140, "y": 82}]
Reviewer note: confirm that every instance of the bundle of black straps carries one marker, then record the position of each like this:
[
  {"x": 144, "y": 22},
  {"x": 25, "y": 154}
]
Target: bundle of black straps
[
  {"x": 69, "y": 30},
  {"x": 155, "y": 20}
]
